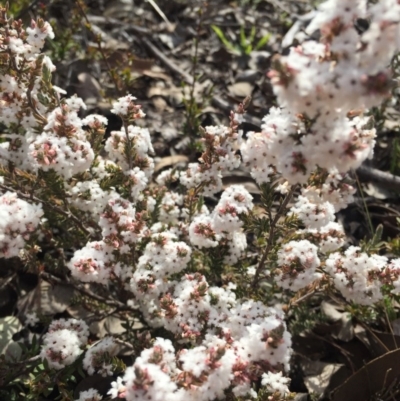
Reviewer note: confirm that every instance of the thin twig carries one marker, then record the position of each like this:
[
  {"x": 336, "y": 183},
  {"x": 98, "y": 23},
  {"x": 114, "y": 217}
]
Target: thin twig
[
  {"x": 170, "y": 64},
  {"x": 57, "y": 209},
  {"x": 79, "y": 287},
  {"x": 128, "y": 145},
  {"x": 99, "y": 19},
  {"x": 390, "y": 327},
  {"x": 345, "y": 353},
  {"x": 216, "y": 101},
  {"x": 365, "y": 326},
  {"x": 271, "y": 235},
  {"x": 370, "y": 226},
  {"x": 7, "y": 281},
  {"x": 160, "y": 12},
  {"x": 22, "y": 368},
  {"x": 294, "y": 302}
]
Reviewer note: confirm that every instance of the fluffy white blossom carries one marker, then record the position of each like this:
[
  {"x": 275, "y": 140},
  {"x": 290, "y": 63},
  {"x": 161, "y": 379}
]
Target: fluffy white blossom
[
  {"x": 297, "y": 263},
  {"x": 313, "y": 212},
  {"x": 357, "y": 275},
  {"x": 92, "y": 263},
  {"x": 98, "y": 357},
  {"x": 78, "y": 326},
  {"x": 202, "y": 232},
  {"x": 276, "y": 382},
  {"x": 18, "y": 220},
  {"x": 61, "y": 348},
  {"x": 89, "y": 395}
]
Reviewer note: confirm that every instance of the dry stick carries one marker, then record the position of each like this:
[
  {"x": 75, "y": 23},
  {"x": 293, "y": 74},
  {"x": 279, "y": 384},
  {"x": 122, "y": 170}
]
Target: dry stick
[
  {"x": 23, "y": 368},
  {"x": 271, "y": 235},
  {"x": 7, "y": 281},
  {"x": 380, "y": 178},
  {"x": 391, "y": 328},
  {"x": 345, "y": 353},
  {"x": 377, "y": 339},
  {"x": 165, "y": 60},
  {"x": 303, "y": 297},
  {"x": 97, "y": 19},
  {"x": 128, "y": 145},
  {"x": 57, "y": 209},
  {"x": 187, "y": 78},
  {"x": 160, "y": 12}
]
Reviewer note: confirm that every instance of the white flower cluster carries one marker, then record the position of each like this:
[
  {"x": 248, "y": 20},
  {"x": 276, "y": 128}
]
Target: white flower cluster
[
  {"x": 288, "y": 144},
  {"x": 357, "y": 275},
  {"x": 63, "y": 342},
  {"x": 63, "y": 145},
  {"x": 24, "y": 48},
  {"x": 297, "y": 264},
  {"x": 251, "y": 335},
  {"x": 275, "y": 382},
  {"x": 162, "y": 257},
  {"x": 223, "y": 226},
  {"x": 89, "y": 197},
  {"x": 60, "y": 146},
  {"x": 89, "y": 395},
  {"x": 136, "y": 142},
  {"x": 319, "y": 86},
  {"x": 99, "y": 357},
  {"x": 122, "y": 227},
  {"x": 18, "y": 220},
  {"x": 125, "y": 107},
  {"x": 92, "y": 263},
  {"x": 329, "y": 238}
]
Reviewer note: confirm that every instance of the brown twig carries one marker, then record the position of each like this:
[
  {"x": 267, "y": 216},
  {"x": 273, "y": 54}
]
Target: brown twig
[{"x": 344, "y": 352}]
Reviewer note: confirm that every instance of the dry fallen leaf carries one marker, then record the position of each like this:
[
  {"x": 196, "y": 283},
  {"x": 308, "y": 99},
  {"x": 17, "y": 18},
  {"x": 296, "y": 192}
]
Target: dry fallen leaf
[{"x": 170, "y": 161}]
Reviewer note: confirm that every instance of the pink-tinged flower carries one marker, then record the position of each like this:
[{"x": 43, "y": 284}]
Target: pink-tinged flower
[{"x": 45, "y": 154}]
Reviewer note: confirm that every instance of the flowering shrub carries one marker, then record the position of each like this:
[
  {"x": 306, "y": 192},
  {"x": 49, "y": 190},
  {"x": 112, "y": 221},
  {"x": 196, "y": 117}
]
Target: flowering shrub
[{"x": 154, "y": 248}]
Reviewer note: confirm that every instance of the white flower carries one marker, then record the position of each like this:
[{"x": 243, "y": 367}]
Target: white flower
[
  {"x": 275, "y": 382},
  {"x": 18, "y": 221},
  {"x": 98, "y": 358},
  {"x": 31, "y": 319},
  {"x": 297, "y": 263},
  {"x": 60, "y": 348},
  {"x": 89, "y": 395}
]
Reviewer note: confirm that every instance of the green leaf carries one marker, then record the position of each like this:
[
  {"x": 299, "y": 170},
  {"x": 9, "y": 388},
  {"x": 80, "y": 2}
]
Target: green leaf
[
  {"x": 252, "y": 34},
  {"x": 263, "y": 41},
  {"x": 378, "y": 235},
  {"x": 243, "y": 39},
  {"x": 223, "y": 38}
]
